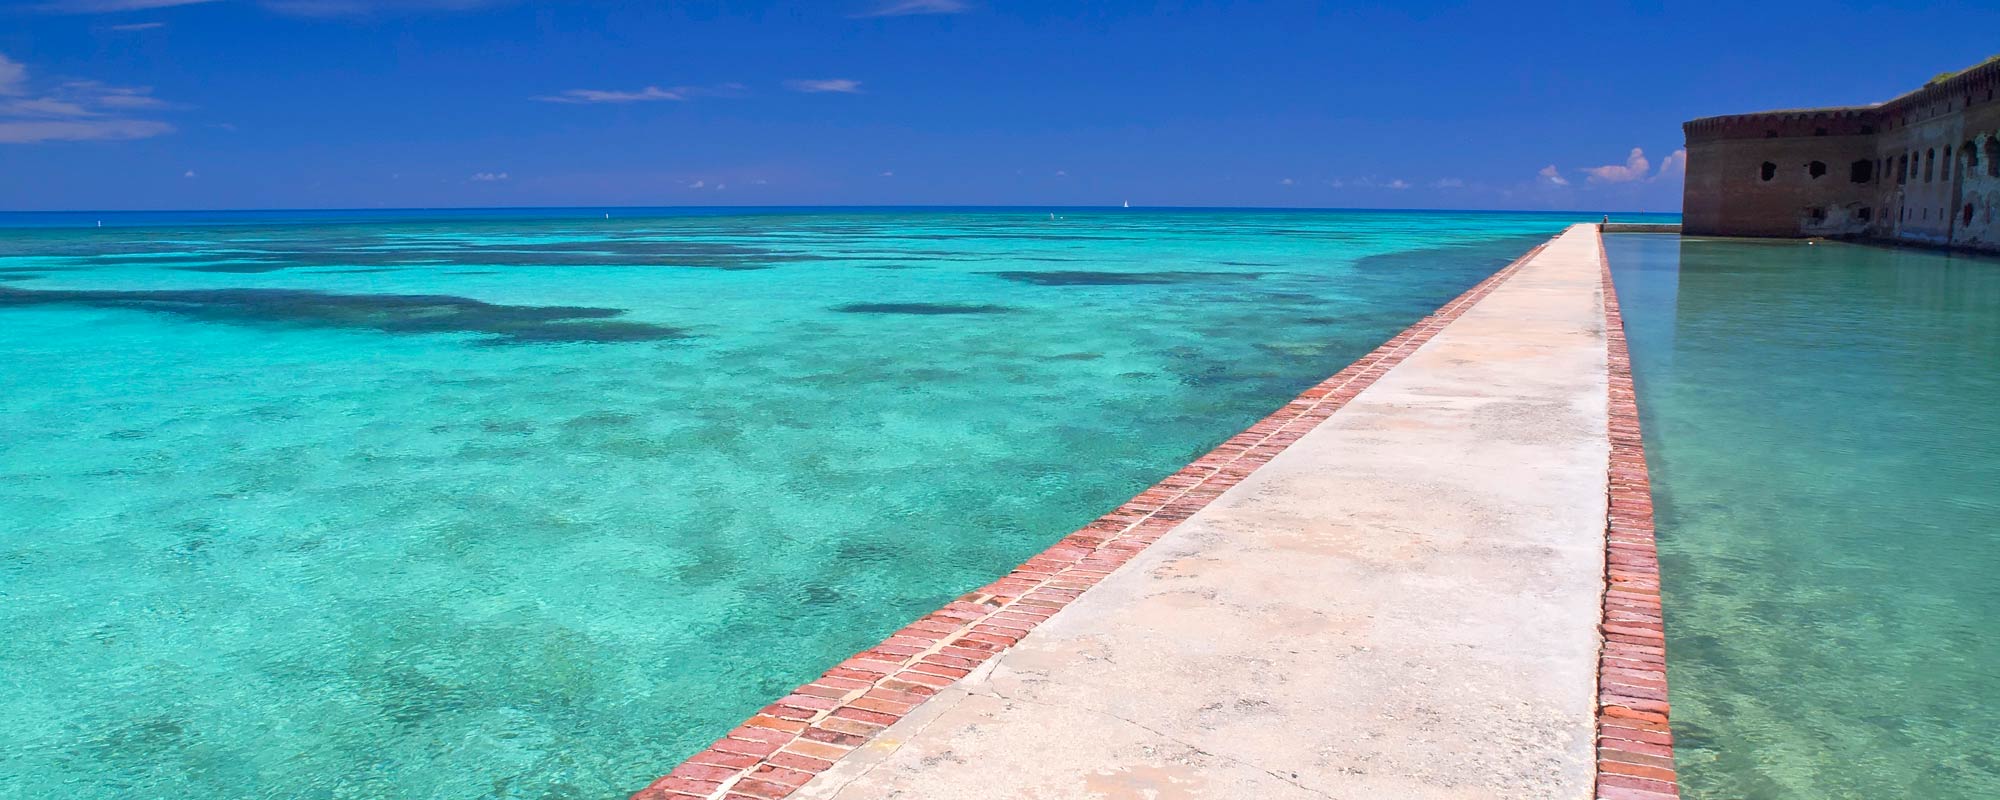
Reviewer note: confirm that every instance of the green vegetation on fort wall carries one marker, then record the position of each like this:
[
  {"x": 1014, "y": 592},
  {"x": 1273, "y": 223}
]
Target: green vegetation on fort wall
[{"x": 1953, "y": 73}]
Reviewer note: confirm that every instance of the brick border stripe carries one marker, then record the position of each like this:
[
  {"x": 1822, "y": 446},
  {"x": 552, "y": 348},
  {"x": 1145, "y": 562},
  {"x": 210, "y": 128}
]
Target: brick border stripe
[
  {"x": 801, "y": 735},
  {"x": 1635, "y": 743}
]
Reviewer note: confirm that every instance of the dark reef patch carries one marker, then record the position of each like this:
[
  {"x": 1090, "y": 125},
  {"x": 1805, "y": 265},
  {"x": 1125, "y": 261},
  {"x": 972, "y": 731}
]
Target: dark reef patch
[
  {"x": 239, "y": 268},
  {"x": 389, "y": 313},
  {"x": 18, "y": 276},
  {"x": 1091, "y": 278},
  {"x": 355, "y": 271},
  {"x": 382, "y": 252},
  {"x": 923, "y": 308},
  {"x": 1481, "y": 257}
]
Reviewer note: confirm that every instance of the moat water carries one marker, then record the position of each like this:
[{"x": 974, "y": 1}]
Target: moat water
[
  {"x": 1823, "y": 426},
  {"x": 519, "y": 505}
]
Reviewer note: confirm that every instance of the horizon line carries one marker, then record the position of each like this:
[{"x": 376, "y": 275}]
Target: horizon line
[{"x": 1011, "y": 206}]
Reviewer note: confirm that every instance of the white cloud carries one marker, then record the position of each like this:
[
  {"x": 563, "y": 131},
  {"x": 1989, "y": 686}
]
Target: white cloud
[
  {"x": 1676, "y": 163},
  {"x": 1448, "y": 183},
  {"x": 188, "y": 174},
  {"x": 43, "y": 107},
  {"x": 33, "y": 132},
  {"x": 111, "y": 6},
  {"x": 72, "y": 111},
  {"x": 1553, "y": 176},
  {"x": 348, "y": 8},
  {"x": 1062, "y": 173},
  {"x": 904, "y": 8},
  {"x": 302, "y": 8},
  {"x": 888, "y": 174},
  {"x": 1635, "y": 168},
  {"x": 840, "y": 85},
  {"x": 1285, "y": 181},
  {"x": 698, "y": 185},
  {"x": 1398, "y": 183},
  {"x": 489, "y": 177},
  {"x": 648, "y": 94}
]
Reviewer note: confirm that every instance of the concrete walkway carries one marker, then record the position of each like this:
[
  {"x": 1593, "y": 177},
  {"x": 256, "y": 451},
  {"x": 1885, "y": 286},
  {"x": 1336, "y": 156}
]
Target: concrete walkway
[{"x": 1402, "y": 604}]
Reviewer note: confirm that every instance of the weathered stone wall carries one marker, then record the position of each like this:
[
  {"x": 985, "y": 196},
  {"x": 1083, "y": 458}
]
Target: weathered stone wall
[
  {"x": 1923, "y": 168},
  {"x": 1779, "y": 187}
]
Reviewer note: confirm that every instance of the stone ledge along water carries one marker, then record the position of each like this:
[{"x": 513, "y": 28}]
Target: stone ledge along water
[{"x": 1394, "y": 586}]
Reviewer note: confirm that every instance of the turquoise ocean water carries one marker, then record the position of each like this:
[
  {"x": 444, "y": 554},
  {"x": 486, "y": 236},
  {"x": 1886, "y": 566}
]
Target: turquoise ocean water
[
  {"x": 534, "y": 504},
  {"x": 1823, "y": 426}
]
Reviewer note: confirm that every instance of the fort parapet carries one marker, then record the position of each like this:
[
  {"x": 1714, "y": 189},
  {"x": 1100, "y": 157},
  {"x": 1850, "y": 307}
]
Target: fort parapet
[{"x": 1923, "y": 168}]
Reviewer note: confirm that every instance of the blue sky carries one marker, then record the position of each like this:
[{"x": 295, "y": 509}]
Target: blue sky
[{"x": 195, "y": 104}]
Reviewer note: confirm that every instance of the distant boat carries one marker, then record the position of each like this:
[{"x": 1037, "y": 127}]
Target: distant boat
[{"x": 1128, "y": 204}]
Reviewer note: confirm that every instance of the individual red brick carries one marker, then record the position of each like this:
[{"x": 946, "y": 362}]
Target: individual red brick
[
  {"x": 802, "y": 763},
  {"x": 820, "y": 750},
  {"x": 761, "y": 790},
  {"x": 780, "y": 775},
  {"x": 851, "y": 726}
]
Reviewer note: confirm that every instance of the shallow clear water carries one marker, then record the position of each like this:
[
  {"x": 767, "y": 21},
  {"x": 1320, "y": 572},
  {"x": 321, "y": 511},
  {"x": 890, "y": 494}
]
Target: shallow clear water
[
  {"x": 1823, "y": 426},
  {"x": 503, "y": 506}
]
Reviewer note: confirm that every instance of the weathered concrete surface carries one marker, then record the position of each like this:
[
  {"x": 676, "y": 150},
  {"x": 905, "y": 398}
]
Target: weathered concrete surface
[{"x": 1404, "y": 604}]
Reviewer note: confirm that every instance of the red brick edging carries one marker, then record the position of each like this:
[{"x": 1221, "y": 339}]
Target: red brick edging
[
  {"x": 802, "y": 734},
  {"x": 1635, "y": 743}
]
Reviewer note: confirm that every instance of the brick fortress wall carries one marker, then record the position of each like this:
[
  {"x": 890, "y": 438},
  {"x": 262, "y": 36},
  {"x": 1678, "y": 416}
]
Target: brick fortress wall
[{"x": 1923, "y": 168}]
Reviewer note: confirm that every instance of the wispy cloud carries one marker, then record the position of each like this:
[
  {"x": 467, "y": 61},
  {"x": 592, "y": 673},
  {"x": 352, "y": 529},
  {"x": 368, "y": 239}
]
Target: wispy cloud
[
  {"x": 354, "y": 8},
  {"x": 73, "y": 110},
  {"x": 112, "y": 6},
  {"x": 301, "y": 8},
  {"x": 841, "y": 85},
  {"x": 101, "y": 130},
  {"x": 904, "y": 8},
  {"x": 650, "y": 94},
  {"x": 489, "y": 177},
  {"x": 1367, "y": 183},
  {"x": 1552, "y": 176},
  {"x": 139, "y": 26},
  {"x": 1286, "y": 181},
  {"x": 13, "y": 76},
  {"x": 1448, "y": 183}
]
